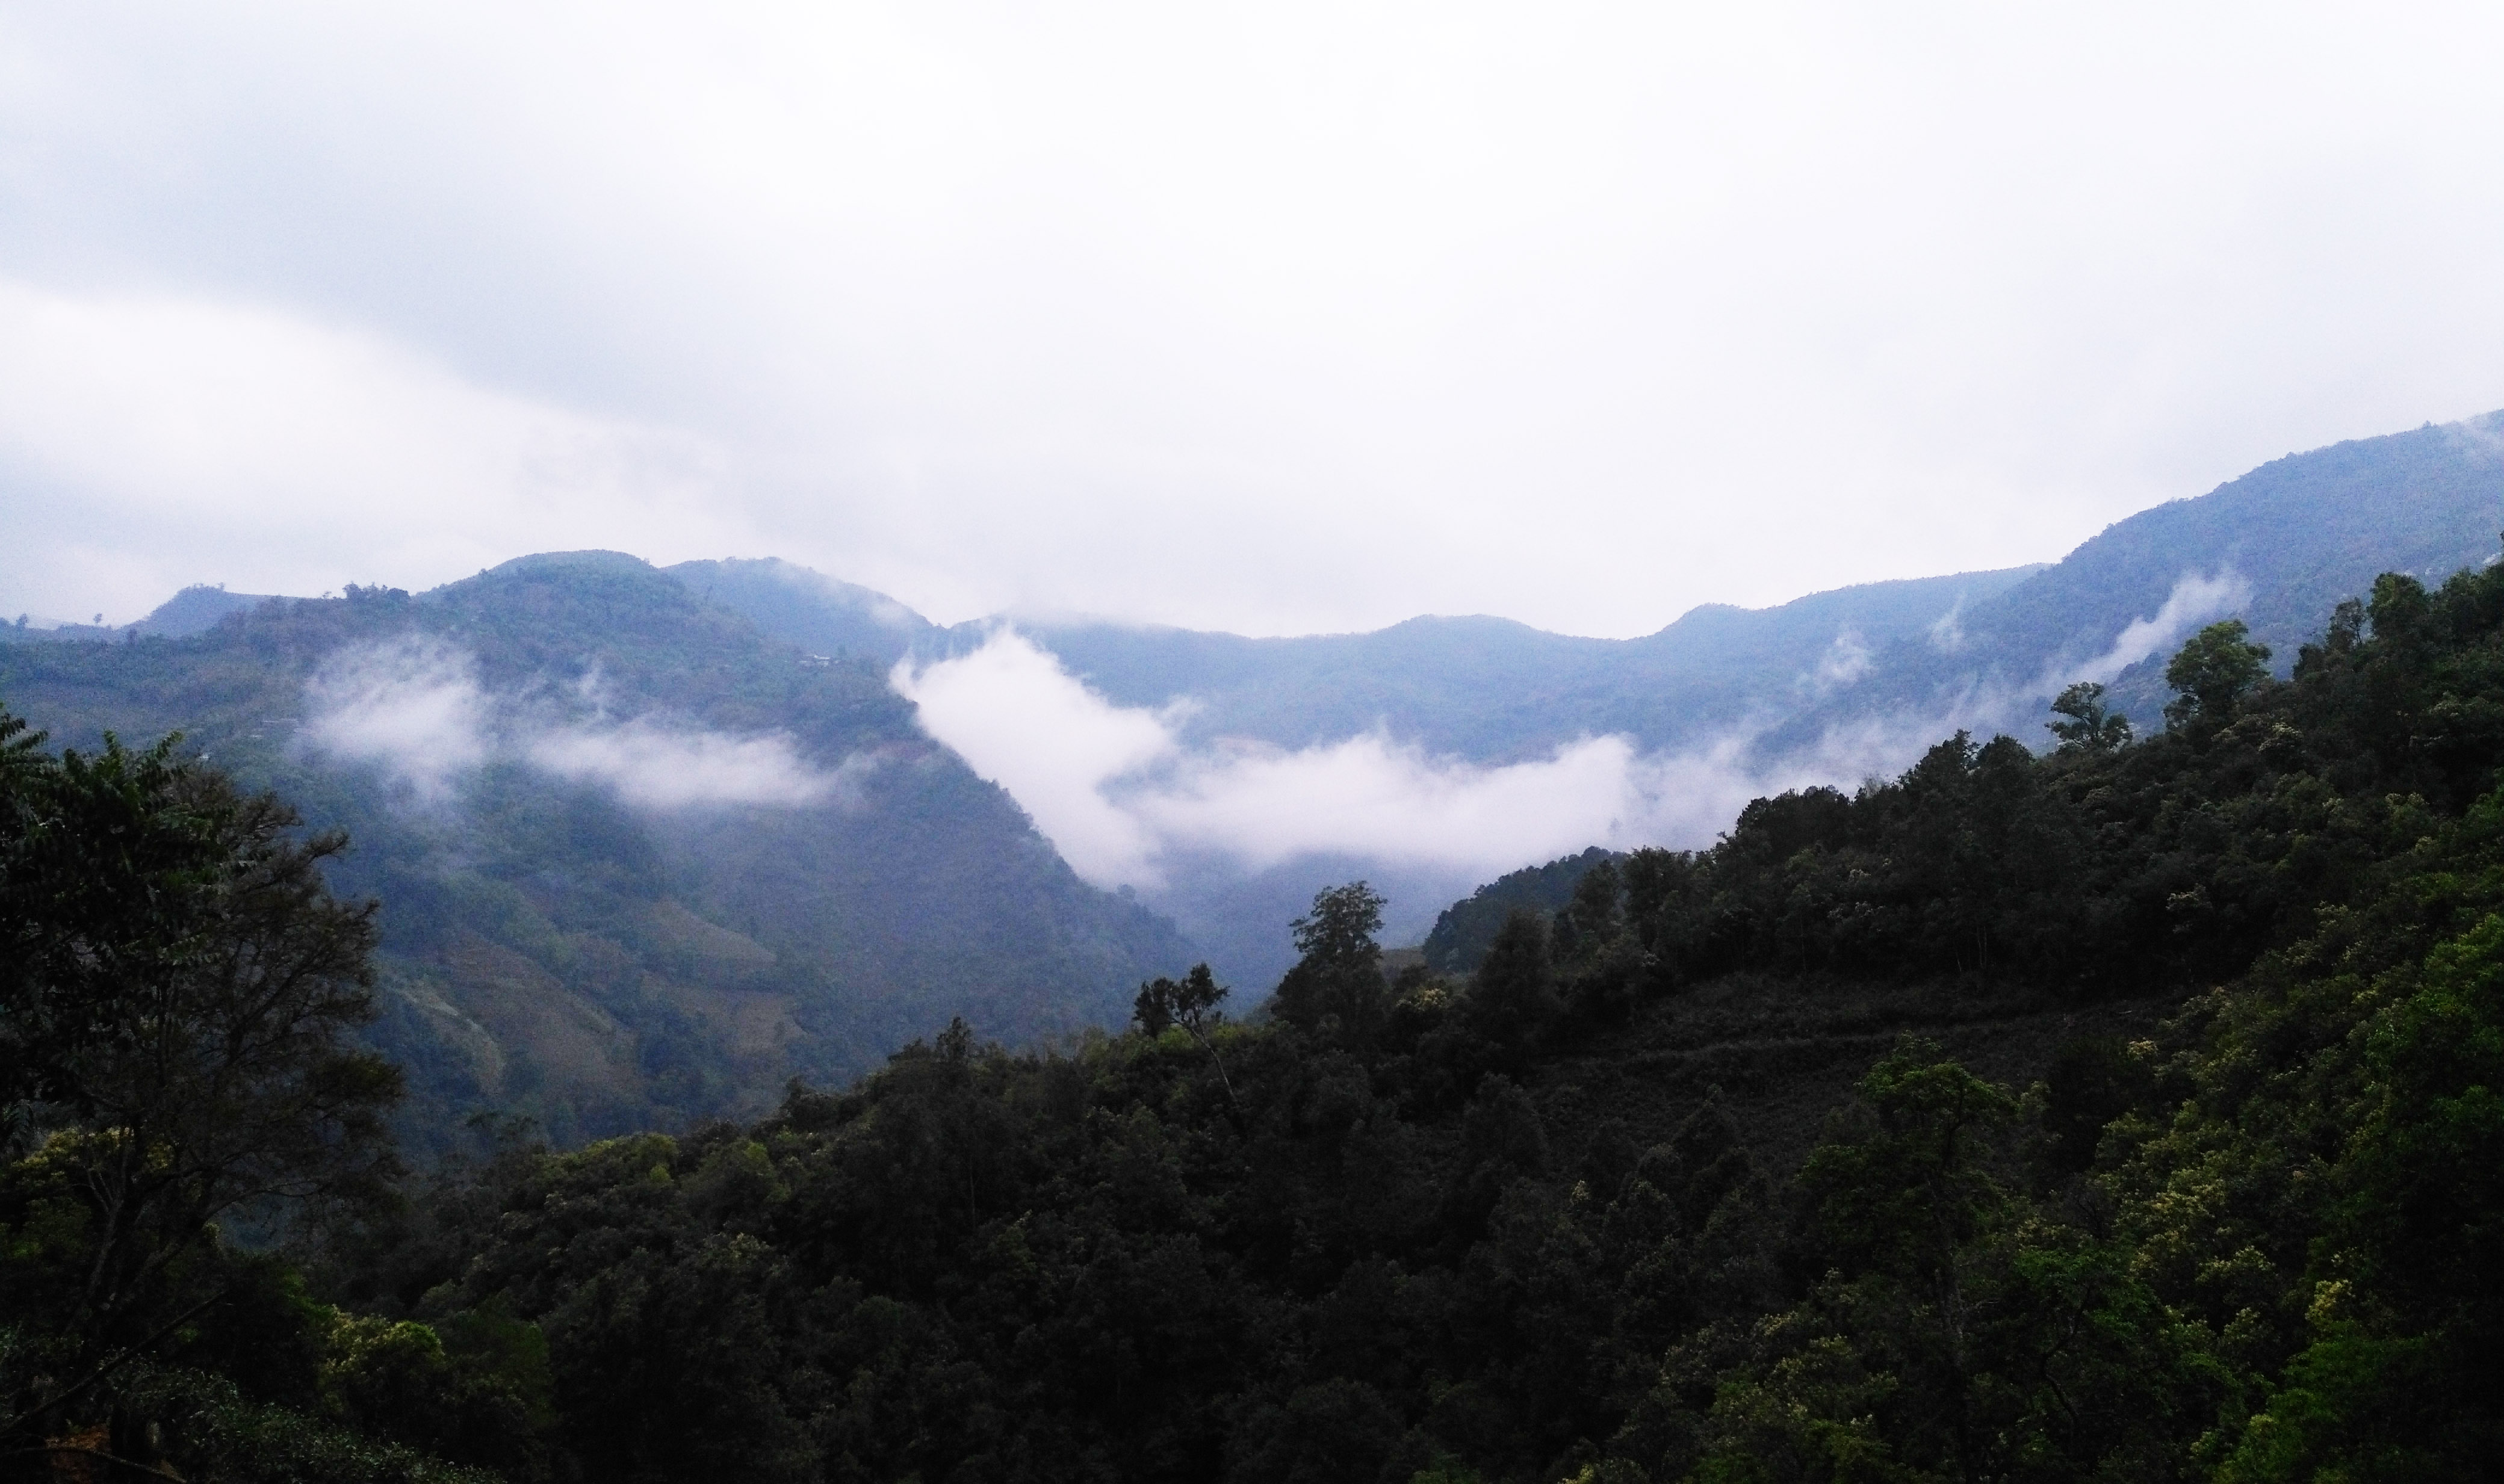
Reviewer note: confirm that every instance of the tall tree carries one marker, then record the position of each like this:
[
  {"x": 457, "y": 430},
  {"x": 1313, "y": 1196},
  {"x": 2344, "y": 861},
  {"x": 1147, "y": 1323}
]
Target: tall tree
[
  {"x": 1338, "y": 983},
  {"x": 2087, "y": 724},
  {"x": 180, "y": 991},
  {"x": 2212, "y": 673}
]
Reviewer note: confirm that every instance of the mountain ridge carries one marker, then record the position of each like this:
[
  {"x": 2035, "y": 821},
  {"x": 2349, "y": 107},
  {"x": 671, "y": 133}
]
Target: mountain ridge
[
  {"x": 1832, "y": 686},
  {"x": 640, "y": 862}
]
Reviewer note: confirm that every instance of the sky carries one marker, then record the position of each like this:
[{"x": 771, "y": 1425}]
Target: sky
[{"x": 1275, "y": 318}]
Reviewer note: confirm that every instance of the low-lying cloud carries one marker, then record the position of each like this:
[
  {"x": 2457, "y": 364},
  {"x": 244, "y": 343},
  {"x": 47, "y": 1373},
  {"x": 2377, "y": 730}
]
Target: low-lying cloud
[
  {"x": 1846, "y": 660},
  {"x": 411, "y": 709},
  {"x": 414, "y": 709},
  {"x": 1117, "y": 791},
  {"x": 1123, "y": 796},
  {"x": 657, "y": 767}
]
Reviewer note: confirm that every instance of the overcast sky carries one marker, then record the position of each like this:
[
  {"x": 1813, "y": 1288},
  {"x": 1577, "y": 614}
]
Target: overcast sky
[{"x": 1275, "y": 318}]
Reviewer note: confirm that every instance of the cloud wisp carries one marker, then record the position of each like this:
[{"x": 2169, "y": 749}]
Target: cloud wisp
[
  {"x": 414, "y": 709},
  {"x": 2195, "y": 600},
  {"x": 654, "y": 767}
]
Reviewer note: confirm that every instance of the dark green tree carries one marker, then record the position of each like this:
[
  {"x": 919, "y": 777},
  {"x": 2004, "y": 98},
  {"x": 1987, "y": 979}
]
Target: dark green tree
[
  {"x": 2088, "y": 724},
  {"x": 1338, "y": 983},
  {"x": 2212, "y": 673},
  {"x": 1591, "y": 922},
  {"x": 1191, "y": 1003},
  {"x": 179, "y": 993},
  {"x": 1512, "y": 1000}
]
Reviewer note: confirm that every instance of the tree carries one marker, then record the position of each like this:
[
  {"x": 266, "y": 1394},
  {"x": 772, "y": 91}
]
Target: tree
[
  {"x": 1191, "y": 1004},
  {"x": 2091, "y": 726},
  {"x": 99, "y": 861},
  {"x": 1514, "y": 997},
  {"x": 180, "y": 987},
  {"x": 1594, "y": 919},
  {"x": 1903, "y": 1197},
  {"x": 1339, "y": 976},
  {"x": 2212, "y": 673}
]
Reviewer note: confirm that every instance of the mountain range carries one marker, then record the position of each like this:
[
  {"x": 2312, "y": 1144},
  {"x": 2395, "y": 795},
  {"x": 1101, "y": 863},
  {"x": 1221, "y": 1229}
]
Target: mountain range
[
  {"x": 651, "y": 841},
  {"x": 1726, "y": 702},
  {"x": 2276, "y": 547}
]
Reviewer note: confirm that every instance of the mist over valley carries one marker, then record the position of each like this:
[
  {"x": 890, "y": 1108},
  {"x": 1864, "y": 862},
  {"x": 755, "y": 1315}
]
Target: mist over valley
[{"x": 652, "y": 840}]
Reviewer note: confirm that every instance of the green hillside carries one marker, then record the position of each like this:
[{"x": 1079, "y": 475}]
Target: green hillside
[
  {"x": 1883, "y": 667},
  {"x": 554, "y": 950},
  {"x": 814, "y": 611},
  {"x": 2122, "y": 1112},
  {"x": 2297, "y": 534},
  {"x": 1466, "y": 930}
]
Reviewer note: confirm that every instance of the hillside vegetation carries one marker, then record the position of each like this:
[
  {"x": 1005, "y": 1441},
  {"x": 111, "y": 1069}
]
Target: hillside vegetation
[
  {"x": 557, "y": 944},
  {"x": 2125, "y": 1112}
]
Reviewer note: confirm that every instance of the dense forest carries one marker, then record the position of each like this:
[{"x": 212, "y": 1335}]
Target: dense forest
[{"x": 2133, "y": 1109}]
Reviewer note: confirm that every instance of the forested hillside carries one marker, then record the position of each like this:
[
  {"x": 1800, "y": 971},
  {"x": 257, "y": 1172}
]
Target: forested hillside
[
  {"x": 639, "y": 862},
  {"x": 2277, "y": 547},
  {"x": 2123, "y": 1112}
]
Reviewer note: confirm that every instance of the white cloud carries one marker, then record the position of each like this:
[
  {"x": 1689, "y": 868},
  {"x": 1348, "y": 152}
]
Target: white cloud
[
  {"x": 275, "y": 447},
  {"x": 1947, "y": 631},
  {"x": 1845, "y": 661},
  {"x": 1012, "y": 712},
  {"x": 1371, "y": 796},
  {"x": 413, "y": 708},
  {"x": 1278, "y": 318},
  {"x": 1116, "y": 790}
]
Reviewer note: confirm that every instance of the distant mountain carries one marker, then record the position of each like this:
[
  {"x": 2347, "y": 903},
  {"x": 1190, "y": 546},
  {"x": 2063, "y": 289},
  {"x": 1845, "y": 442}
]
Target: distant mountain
[
  {"x": 810, "y": 609},
  {"x": 640, "y": 862},
  {"x": 1492, "y": 690},
  {"x": 2277, "y": 547},
  {"x": 1832, "y": 687},
  {"x": 935, "y": 895},
  {"x": 195, "y": 609}
]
